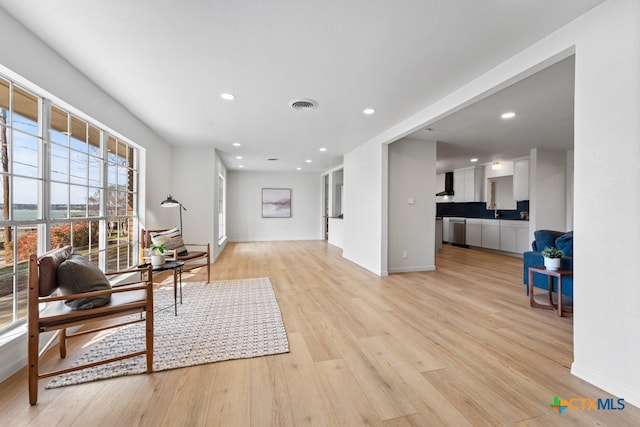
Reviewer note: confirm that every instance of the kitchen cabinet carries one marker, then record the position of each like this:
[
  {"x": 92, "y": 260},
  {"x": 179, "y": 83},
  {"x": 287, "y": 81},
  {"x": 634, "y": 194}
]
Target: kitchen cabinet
[
  {"x": 521, "y": 179},
  {"x": 468, "y": 184},
  {"x": 491, "y": 234},
  {"x": 474, "y": 232},
  {"x": 514, "y": 236}
]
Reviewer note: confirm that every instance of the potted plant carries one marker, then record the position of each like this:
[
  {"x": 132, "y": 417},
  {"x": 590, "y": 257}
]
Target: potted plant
[
  {"x": 157, "y": 253},
  {"x": 552, "y": 257}
]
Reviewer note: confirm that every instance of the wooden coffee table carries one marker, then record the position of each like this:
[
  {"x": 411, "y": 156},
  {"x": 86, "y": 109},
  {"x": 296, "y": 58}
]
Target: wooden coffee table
[{"x": 550, "y": 275}]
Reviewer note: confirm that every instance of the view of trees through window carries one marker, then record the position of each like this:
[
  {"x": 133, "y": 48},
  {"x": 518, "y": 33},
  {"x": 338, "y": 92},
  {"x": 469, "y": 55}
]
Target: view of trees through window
[{"x": 65, "y": 181}]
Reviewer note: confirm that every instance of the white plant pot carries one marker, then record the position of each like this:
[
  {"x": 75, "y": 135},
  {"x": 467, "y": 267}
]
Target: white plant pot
[
  {"x": 552, "y": 263},
  {"x": 157, "y": 260}
]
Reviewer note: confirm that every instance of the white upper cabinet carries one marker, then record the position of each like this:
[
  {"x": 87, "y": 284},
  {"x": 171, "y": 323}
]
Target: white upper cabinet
[
  {"x": 521, "y": 179},
  {"x": 468, "y": 184}
]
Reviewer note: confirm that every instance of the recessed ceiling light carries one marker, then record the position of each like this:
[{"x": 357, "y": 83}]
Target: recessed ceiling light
[
  {"x": 473, "y": 160},
  {"x": 508, "y": 115},
  {"x": 368, "y": 111},
  {"x": 239, "y": 157},
  {"x": 323, "y": 149},
  {"x": 307, "y": 161},
  {"x": 298, "y": 169},
  {"x": 272, "y": 159},
  {"x": 227, "y": 96},
  {"x": 236, "y": 144},
  {"x": 240, "y": 166}
]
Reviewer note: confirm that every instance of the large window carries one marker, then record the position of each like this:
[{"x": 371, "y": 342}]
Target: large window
[{"x": 65, "y": 181}]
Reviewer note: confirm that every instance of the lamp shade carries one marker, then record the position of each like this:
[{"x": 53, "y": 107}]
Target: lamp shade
[{"x": 170, "y": 202}]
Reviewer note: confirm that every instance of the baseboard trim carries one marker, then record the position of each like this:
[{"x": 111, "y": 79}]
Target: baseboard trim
[{"x": 606, "y": 384}]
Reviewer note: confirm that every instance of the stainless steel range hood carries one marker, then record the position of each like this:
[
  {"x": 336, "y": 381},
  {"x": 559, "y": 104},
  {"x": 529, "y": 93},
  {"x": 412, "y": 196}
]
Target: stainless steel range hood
[{"x": 448, "y": 185}]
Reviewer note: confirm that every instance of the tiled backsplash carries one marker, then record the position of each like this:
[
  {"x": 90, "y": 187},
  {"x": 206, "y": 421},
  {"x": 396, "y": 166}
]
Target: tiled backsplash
[{"x": 479, "y": 210}]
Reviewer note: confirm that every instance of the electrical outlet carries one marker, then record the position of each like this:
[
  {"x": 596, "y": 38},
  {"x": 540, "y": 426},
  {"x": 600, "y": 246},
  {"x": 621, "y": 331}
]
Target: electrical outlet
[{"x": 404, "y": 254}]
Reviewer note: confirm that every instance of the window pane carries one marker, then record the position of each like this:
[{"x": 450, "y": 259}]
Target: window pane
[
  {"x": 59, "y": 163},
  {"x": 95, "y": 167},
  {"x": 25, "y": 199},
  {"x": 78, "y": 134},
  {"x": 4, "y": 94},
  {"x": 23, "y": 290},
  {"x": 60, "y": 235},
  {"x": 78, "y": 201},
  {"x": 79, "y": 167},
  {"x": 94, "y": 202},
  {"x": 25, "y": 154},
  {"x": 6, "y": 236},
  {"x": 112, "y": 179},
  {"x": 6, "y": 300},
  {"x": 94, "y": 141},
  {"x": 25, "y": 111},
  {"x": 59, "y": 126},
  {"x": 59, "y": 200},
  {"x": 82, "y": 236}
]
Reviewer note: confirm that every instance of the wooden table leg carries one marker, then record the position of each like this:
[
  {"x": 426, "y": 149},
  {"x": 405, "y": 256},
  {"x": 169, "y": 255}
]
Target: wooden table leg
[
  {"x": 531, "y": 302},
  {"x": 560, "y": 296}
]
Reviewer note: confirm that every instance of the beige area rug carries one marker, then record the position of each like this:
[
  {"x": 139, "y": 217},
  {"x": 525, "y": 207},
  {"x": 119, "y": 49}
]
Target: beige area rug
[{"x": 222, "y": 320}]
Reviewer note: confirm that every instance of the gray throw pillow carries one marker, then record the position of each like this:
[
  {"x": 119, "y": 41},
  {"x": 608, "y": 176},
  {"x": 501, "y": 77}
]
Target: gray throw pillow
[{"x": 77, "y": 275}]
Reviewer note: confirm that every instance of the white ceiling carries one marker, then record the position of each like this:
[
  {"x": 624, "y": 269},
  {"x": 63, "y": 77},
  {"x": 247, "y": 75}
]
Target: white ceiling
[
  {"x": 167, "y": 61},
  {"x": 543, "y": 104}
]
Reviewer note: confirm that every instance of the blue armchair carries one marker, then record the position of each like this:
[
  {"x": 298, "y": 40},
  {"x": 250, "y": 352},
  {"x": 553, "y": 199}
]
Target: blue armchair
[{"x": 534, "y": 258}]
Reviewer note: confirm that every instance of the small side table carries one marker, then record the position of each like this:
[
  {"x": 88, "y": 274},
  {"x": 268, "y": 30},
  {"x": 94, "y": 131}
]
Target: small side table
[
  {"x": 550, "y": 275},
  {"x": 176, "y": 266}
]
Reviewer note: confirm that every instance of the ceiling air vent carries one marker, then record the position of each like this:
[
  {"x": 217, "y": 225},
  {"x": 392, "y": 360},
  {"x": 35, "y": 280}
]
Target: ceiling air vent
[{"x": 303, "y": 104}]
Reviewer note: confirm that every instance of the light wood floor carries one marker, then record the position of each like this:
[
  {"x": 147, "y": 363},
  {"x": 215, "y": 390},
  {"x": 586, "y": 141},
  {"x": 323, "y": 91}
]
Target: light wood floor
[{"x": 458, "y": 346}]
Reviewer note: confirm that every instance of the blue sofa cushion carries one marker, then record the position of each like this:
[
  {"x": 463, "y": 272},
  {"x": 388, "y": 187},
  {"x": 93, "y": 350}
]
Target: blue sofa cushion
[
  {"x": 544, "y": 238},
  {"x": 565, "y": 243}
]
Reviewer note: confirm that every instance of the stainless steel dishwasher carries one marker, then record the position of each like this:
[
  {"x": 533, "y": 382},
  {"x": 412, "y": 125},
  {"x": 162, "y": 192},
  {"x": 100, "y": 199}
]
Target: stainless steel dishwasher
[{"x": 457, "y": 231}]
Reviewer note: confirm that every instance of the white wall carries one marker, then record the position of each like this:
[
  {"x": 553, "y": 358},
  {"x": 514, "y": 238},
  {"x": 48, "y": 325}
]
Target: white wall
[
  {"x": 365, "y": 207},
  {"x": 412, "y": 175},
  {"x": 194, "y": 183},
  {"x": 606, "y": 157},
  {"x": 244, "y": 209},
  {"x": 548, "y": 190}
]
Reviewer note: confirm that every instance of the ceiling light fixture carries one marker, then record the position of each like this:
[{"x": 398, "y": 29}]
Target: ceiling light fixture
[
  {"x": 240, "y": 166},
  {"x": 368, "y": 111},
  {"x": 239, "y": 157},
  {"x": 227, "y": 96},
  {"x": 298, "y": 169},
  {"x": 508, "y": 115},
  {"x": 307, "y": 161},
  {"x": 236, "y": 144},
  {"x": 473, "y": 160},
  {"x": 323, "y": 149}
]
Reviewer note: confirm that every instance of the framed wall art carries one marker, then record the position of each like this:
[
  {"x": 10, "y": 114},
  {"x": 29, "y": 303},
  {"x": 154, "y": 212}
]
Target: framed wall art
[{"x": 276, "y": 203}]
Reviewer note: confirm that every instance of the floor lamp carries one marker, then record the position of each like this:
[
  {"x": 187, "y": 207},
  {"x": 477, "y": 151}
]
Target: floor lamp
[{"x": 170, "y": 202}]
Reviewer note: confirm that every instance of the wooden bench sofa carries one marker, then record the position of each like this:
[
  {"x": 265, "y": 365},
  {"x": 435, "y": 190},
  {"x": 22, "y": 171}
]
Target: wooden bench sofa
[
  {"x": 195, "y": 255},
  {"x": 133, "y": 294}
]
